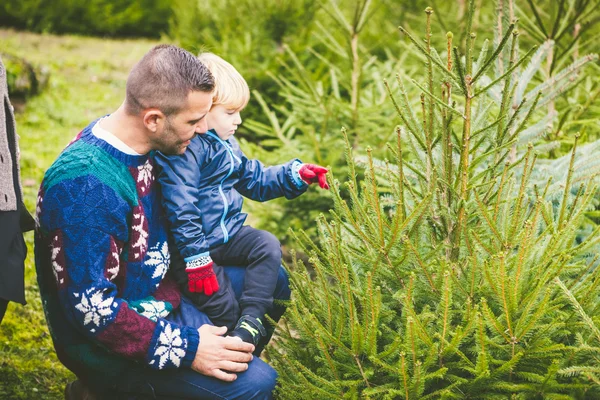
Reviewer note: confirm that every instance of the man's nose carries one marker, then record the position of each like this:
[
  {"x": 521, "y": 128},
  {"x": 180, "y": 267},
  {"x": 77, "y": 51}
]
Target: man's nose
[
  {"x": 238, "y": 120},
  {"x": 202, "y": 126}
]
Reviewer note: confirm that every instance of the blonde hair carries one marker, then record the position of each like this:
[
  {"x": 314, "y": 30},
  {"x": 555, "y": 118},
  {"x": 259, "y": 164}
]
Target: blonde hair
[{"x": 231, "y": 90}]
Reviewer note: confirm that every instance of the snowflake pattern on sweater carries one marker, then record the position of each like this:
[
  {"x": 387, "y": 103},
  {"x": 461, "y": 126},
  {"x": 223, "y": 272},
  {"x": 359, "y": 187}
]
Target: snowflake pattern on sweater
[
  {"x": 102, "y": 241},
  {"x": 113, "y": 260},
  {"x": 144, "y": 177},
  {"x": 158, "y": 259},
  {"x": 151, "y": 308},
  {"x": 58, "y": 261},
  {"x": 170, "y": 347},
  {"x": 94, "y": 308},
  {"x": 139, "y": 239}
]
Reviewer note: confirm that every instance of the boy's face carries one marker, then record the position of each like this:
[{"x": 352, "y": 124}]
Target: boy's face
[{"x": 223, "y": 120}]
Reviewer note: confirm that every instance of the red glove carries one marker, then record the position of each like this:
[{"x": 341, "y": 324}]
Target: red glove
[
  {"x": 311, "y": 173},
  {"x": 201, "y": 277}
]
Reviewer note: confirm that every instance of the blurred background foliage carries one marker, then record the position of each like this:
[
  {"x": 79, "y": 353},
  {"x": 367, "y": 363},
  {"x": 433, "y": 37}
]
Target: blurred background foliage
[
  {"x": 314, "y": 66},
  {"x": 116, "y": 18}
]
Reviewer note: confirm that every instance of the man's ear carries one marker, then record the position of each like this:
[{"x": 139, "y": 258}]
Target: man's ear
[{"x": 153, "y": 119}]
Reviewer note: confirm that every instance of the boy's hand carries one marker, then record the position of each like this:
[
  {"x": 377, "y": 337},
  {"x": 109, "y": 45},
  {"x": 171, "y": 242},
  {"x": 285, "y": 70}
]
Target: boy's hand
[
  {"x": 311, "y": 173},
  {"x": 201, "y": 277}
]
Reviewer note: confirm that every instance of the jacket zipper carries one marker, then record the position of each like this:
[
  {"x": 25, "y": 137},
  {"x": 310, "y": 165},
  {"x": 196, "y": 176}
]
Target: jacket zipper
[{"x": 225, "y": 205}]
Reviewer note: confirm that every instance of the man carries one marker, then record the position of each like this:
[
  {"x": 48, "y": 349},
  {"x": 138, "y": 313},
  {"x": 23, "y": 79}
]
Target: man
[
  {"x": 117, "y": 318},
  {"x": 14, "y": 218}
]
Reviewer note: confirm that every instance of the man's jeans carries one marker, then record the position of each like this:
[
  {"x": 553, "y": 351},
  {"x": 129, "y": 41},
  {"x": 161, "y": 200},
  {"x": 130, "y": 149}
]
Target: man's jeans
[{"x": 257, "y": 382}]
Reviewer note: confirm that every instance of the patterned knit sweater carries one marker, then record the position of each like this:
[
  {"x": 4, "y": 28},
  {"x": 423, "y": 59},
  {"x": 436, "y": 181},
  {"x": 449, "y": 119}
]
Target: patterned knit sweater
[{"x": 102, "y": 258}]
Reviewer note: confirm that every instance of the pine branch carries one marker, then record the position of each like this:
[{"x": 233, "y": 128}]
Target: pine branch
[
  {"x": 495, "y": 54},
  {"x": 405, "y": 113},
  {"x": 557, "y": 83},
  {"x": 423, "y": 51},
  {"x": 567, "y": 184},
  {"x": 507, "y": 73},
  {"x": 584, "y": 316},
  {"x": 537, "y": 18},
  {"x": 437, "y": 100},
  {"x": 535, "y": 63}
]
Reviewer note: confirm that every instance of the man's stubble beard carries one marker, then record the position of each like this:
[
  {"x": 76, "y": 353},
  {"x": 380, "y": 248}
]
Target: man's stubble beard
[{"x": 168, "y": 143}]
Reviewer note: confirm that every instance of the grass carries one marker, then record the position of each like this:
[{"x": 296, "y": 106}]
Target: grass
[{"x": 87, "y": 80}]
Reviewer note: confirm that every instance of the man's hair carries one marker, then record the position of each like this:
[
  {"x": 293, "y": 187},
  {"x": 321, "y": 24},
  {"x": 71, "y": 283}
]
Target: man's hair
[
  {"x": 231, "y": 90},
  {"x": 163, "y": 78}
]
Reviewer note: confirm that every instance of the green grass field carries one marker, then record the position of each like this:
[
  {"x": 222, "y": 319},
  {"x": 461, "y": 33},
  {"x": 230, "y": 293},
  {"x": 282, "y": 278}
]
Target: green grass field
[{"x": 87, "y": 80}]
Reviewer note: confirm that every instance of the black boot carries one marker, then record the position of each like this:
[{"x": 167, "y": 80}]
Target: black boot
[{"x": 249, "y": 329}]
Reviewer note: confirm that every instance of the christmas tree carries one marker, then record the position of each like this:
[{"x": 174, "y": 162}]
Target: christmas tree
[{"x": 452, "y": 270}]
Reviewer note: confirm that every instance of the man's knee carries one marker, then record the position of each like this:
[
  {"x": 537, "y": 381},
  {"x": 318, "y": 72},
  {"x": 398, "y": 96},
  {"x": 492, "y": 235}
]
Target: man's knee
[{"x": 262, "y": 378}]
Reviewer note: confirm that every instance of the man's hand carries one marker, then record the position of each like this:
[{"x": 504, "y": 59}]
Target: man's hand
[{"x": 217, "y": 354}]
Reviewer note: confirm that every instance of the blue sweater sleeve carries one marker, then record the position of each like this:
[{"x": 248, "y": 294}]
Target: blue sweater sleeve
[
  {"x": 179, "y": 177},
  {"x": 261, "y": 183},
  {"x": 85, "y": 220}
]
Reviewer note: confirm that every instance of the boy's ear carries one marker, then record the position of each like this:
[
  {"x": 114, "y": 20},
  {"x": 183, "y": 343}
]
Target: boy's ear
[{"x": 153, "y": 119}]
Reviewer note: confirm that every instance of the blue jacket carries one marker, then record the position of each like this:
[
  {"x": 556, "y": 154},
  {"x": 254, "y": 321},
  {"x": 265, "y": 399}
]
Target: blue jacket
[{"x": 202, "y": 191}]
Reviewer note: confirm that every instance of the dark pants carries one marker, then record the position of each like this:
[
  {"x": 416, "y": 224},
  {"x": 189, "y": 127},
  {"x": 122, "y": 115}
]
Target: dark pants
[
  {"x": 260, "y": 253},
  {"x": 257, "y": 382},
  {"x": 13, "y": 251},
  {"x": 3, "y": 305}
]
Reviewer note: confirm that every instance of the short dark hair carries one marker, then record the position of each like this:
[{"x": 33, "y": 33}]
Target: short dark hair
[{"x": 163, "y": 78}]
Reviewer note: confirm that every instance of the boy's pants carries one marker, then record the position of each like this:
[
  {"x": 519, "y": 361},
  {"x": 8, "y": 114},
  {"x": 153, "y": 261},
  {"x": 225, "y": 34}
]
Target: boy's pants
[
  {"x": 144, "y": 383},
  {"x": 260, "y": 253},
  {"x": 3, "y": 306}
]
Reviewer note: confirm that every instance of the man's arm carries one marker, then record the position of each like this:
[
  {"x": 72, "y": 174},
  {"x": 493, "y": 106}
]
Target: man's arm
[
  {"x": 168, "y": 291},
  {"x": 85, "y": 225}
]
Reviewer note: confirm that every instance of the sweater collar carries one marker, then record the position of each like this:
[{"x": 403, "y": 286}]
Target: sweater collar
[{"x": 127, "y": 159}]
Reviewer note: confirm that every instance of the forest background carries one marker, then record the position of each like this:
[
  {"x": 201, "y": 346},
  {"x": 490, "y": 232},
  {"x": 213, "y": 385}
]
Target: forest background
[{"x": 314, "y": 67}]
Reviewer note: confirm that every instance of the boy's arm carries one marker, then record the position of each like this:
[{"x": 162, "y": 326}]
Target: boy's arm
[
  {"x": 179, "y": 178},
  {"x": 291, "y": 179},
  {"x": 85, "y": 227},
  {"x": 261, "y": 183}
]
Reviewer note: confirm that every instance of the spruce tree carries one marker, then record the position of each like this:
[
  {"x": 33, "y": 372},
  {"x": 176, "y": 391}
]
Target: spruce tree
[{"x": 447, "y": 272}]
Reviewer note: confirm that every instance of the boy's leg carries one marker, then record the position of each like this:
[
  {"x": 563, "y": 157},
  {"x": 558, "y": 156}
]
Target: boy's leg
[
  {"x": 221, "y": 307},
  {"x": 260, "y": 253},
  {"x": 282, "y": 294}
]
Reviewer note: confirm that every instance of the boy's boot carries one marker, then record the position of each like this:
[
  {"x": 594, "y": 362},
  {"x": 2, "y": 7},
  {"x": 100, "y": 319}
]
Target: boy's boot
[{"x": 249, "y": 329}]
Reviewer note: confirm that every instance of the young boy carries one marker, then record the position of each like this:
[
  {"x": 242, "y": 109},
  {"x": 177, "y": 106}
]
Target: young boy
[{"x": 202, "y": 192}]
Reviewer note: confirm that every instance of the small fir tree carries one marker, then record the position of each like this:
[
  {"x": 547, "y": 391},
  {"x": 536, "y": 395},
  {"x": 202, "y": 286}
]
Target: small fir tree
[{"x": 447, "y": 272}]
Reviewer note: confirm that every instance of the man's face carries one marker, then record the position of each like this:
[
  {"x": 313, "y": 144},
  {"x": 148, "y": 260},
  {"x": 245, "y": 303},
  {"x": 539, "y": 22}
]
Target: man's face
[
  {"x": 179, "y": 129},
  {"x": 223, "y": 120}
]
